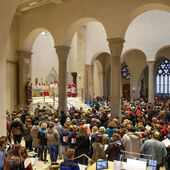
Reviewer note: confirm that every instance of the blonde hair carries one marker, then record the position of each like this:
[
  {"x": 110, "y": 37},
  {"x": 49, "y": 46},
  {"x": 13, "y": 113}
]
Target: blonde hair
[
  {"x": 83, "y": 131},
  {"x": 94, "y": 129},
  {"x": 112, "y": 124},
  {"x": 102, "y": 129},
  {"x": 43, "y": 125}
]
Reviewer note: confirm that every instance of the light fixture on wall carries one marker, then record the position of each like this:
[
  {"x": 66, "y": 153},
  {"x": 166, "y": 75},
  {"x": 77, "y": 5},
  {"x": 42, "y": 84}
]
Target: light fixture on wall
[{"x": 133, "y": 89}]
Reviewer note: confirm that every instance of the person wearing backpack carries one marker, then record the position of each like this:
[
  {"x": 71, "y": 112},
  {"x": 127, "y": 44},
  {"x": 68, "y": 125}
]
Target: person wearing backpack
[
  {"x": 52, "y": 137},
  {"x": 69, "y": 163}
]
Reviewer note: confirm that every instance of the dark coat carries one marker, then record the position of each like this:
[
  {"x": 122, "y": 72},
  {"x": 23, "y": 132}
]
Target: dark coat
[
  {"x": 114, "y": 150},
  {"x": 41, "y": 137},
  {"x": 82, "y": 145}
]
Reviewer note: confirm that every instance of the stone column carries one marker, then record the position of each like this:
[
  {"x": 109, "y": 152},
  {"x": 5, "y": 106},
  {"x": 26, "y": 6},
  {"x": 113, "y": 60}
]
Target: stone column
[
  {"x": 90, "y": 80},
  {"x": 151, "y": 89},
  {"x": 24, "y": 62},
  {"x": 100, "y": 77},
  {"x": 116, "y": 46},
  {"x": 3, "y": 95},
  {"x": 81, "y": 59},
  {"x": 62, "y": 52}
]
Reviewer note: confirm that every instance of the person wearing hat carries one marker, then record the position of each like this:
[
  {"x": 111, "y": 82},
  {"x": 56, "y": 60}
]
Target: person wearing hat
[{"x": 155, "y": 148}]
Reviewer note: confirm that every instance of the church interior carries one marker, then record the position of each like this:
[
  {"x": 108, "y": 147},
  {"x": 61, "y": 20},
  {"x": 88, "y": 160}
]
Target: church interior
[{"x": 104, "y": 48}]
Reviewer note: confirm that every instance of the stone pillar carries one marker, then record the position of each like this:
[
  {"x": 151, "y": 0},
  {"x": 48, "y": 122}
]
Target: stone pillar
[
  {"x": 90, "y": 80},
  {"x": 151, "y": 89},
  {"x": 3, "y": 95},
  {"x": 100, "y": 85},
  {"x": 116, "y": 46},
  {"x": 62, "y": 52},
  {"x": 81, "y": 58},
  {"x": 24, "y": 62}
]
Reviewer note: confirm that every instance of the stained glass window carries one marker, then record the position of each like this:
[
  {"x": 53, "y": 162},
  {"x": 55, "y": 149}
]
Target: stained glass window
[
  {"x": 163, "y": 78},
  {"x": 125, "y": 72}
]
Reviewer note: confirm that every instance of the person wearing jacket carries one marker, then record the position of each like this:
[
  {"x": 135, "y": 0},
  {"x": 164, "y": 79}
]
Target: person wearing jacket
[
  {"x": 82, "y": 144},
  {"x": 34, "y": 134},
  {"x": 69, "y": 163},
  {"x": 155, "y": 148},
  {"x": 17, "y": 130},
  {"x": 52, "y": 137},
  {"x": 115, "y": 147},
  {"x": 73, "y": 137},
  {"x": 43, "y": 142},
  {"x": 64, "y": 139},
  {"x": 132, "y": 142},
  {"x": 111, "y": 128},
  {"x": 98, "y": 148},
  {"x": 27, "y": 136}
]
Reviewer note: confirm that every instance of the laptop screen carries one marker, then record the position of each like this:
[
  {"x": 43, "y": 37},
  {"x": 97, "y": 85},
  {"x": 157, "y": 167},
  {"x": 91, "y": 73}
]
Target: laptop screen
[{"x": 101, "y": 165}]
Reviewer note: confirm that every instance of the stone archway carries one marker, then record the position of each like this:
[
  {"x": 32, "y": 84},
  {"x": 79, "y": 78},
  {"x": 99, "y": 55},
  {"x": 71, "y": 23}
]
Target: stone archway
[{"x": 136, "y": 61}]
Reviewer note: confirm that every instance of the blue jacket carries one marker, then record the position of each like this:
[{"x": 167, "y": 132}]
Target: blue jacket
[
  {"x": 69, "y": 165},
  {"x": 110, "y": 132}
]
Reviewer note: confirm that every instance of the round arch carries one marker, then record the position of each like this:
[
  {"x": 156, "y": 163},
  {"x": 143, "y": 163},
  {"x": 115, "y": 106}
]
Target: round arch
[
  {"x": 30, "y": 38},
  {"x": 141, "y": 9},
  {"x": 97, "y": 55},
  {"x": 163, "y": 52},
  {"x": 132, "y": 51},
  {"x": 136, "y": 62},
  {"x": 75, "y": 26}
]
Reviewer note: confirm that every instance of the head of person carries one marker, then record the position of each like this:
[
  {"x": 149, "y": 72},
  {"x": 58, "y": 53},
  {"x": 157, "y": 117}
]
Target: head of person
[
  {"x": 24, "y": 152},
  {"x": 93, "y": 120},
  {"x": 28, "y": 121},
  {"x": 75, "y": 128},
  {"x": 13, "y": 163},
  {"x": 51, "y": 124},
  {"x": 70, "y": 154},
  {"x": 112, "y": 125},
  {"x": 156, "y": 135},
  {"x": 154, "y": 120},
  {"x": 116, "y": 137},
  {"x": 83, "y": 131},
  {"x": 2, "y": 143},
  {"x": 83, "y": 121},
  {"x": 94, "y": 129},
  {"x": 15, "y": 150},
  {"x": 44, "y": 125},
  {"x": 102, "y": 130},
  {"x": 99, "y": 139}
]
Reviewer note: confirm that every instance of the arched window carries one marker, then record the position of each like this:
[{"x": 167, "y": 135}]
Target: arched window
[
  {"x": 163, "y": 78},
  {"x": 125, "y": 72}
]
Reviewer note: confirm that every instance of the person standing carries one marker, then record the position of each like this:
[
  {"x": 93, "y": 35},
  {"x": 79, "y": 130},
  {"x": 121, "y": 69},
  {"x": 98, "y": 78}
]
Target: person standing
[
  {"x": 43, "y": 142},
  {"x": 155, "y": 148},
  {"x": 52, "y": 142}
]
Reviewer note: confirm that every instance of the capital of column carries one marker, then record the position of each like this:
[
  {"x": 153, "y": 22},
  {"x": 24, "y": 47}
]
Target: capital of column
[
  {"x": 89, "y": 67},
  {"x": 150, "y": 64},
  {"x": 62, "y": 51},
  {"x": 116, "y": 46},
  {"x": 22, "y": 53}
]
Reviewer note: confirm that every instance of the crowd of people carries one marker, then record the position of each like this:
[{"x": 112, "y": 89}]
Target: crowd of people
[{"x": 142, "y": 128}]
